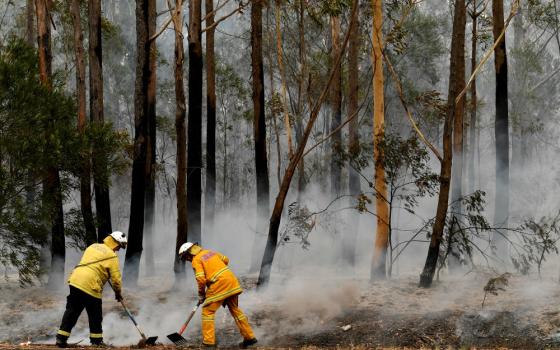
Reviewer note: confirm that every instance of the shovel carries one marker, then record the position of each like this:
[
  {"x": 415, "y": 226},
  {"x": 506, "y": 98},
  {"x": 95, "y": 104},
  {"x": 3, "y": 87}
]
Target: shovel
[
  {"x": 177, "y": 338},
  {"x": 145, "y": 340}
]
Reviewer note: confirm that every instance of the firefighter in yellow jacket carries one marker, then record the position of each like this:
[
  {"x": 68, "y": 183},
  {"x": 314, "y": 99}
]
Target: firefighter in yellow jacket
[
  {"x": 217, "y": 286},
  {"x": 98, "y": 264}
]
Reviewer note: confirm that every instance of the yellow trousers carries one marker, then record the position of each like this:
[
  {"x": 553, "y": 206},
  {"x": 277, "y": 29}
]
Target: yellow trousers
[{"x": 209, "y": 312}]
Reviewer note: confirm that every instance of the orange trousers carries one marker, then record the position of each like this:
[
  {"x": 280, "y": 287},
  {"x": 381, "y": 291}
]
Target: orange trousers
[{"x": 209, "y": 312}]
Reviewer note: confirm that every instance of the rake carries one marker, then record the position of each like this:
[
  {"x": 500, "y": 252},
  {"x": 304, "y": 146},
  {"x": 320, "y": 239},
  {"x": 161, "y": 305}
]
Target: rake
[{"x": 177, "y": 338}]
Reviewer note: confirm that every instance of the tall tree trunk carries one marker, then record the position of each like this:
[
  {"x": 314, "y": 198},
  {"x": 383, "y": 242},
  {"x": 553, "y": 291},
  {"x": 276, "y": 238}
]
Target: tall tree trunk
[
  {"x": 473, "y": 107},
  {"x": 100, "y": 179},
  {"x": 380, "y": 185},
  {"x": 85, "y": 176},
  {"x": 280, "y": 55},
  {"x": 336, "y": 106},
  {"x": 349, "y": 243},
  {"x": 501, "y": 211},
  {"x": 275, "y": 217},
  {"x": 455, "y": 81},
  {"x": 52, "y": 191},
  {"x": 149, "y": 219},
  {"x": 259, "y": 128},
  {"x": 300, "y": 96},
  {"x": 210, "y": 193},
  {"x": 141, "y": 112},
  {"x": 194, "y": 127},
  {"x": 180, "y": 115},
  {"x": 457, "y": 168},
  {"x": 30, "y": 35}
]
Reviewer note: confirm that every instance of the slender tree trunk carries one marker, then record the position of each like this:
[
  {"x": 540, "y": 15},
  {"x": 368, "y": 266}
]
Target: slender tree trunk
[
  {"x": 336, "y": 106},
  {"x": 100, "y": 177},
  {"x": 194, "y": 127},
  {"x": 300, "y": 98},
  {"x": 380, "y": 185},
  {"x": 30, "y": 35},
  {"x": 473, "y": 109},
  {"x": 501, "y": 211},
  {"x": 141, "y": 112},
  {"x": 52, "y": 191},
  {"x": 457, "y": 168},
  {"x": 259, "y": 128},
  {"x": 85, "y": 176},
  {"x": 210, "y": 193},
  {"x": 149, "y": 219},
  {"x": 455, "y": 81},
  {"x": 280, "y": 55},
  {"x": 349, "y": 244},
  {"x": 275, "y": 217},
  {"x": 180, "y": 115}
]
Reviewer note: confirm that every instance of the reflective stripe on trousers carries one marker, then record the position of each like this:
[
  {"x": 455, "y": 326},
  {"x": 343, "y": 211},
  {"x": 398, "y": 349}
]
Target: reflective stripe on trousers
[{"x": 209, "y": 311}]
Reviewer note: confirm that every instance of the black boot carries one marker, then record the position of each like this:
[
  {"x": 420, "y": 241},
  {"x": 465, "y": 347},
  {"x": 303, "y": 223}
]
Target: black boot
[
  {"x": 99, "y": 343},
  {"x": 247, "y": 342},
  {"x": 61, "y": 341}
]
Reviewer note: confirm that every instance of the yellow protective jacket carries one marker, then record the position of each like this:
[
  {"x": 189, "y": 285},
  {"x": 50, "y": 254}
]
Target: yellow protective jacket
[
  {"x": 214, "y": 276},
  {"x": 98, "y": 264}
]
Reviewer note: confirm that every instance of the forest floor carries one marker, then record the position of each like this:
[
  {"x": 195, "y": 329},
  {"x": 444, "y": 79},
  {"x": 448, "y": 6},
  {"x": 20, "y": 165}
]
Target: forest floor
[{"x": 338, "y": 314}]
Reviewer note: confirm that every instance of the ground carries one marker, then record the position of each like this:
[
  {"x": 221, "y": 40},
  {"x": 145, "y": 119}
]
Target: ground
[{"x": 320, "y": 313}]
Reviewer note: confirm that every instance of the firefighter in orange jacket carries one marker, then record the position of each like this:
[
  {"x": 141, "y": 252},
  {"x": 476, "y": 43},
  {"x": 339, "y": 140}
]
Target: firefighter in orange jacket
[
  {"x": 98, "y": 264},
  {"x": 217, "y": 286}
]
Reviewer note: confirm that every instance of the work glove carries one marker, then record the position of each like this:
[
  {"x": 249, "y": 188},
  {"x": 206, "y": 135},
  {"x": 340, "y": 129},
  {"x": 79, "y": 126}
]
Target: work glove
[
  {"x": 118, "y": 296},
  {"x": 201, "y": 298}
]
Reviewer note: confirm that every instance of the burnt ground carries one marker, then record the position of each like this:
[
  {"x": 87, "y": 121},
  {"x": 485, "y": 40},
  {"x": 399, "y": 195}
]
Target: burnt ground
[{"x": 343, "y": 314}]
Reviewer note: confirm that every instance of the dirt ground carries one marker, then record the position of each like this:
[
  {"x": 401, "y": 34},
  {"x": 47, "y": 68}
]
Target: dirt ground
[{"x": 342, "y": 314}]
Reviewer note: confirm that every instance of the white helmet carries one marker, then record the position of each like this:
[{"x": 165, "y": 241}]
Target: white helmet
[
  {"x": 120, "y": 238},
  {"x": 185, "y": 248}
]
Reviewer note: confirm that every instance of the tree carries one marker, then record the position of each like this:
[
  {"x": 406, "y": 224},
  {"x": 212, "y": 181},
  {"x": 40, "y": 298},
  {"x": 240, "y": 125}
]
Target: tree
[
  {"x": 380, "y": 185},
  {"x": 30, "y": 22},
  {"x": 144, "y": 8},
  {"x": 210, "y": 189},
  {"x": 336, "y": 106},
  {"x": 455, "y": 82},
  {"x": 501, "y": 126},
  {"x": 259, "y": 123},
  {"x": 149, "y": 219},
  {"x": 52, "y": 192},
  {"x": 353, "y": 138},
  {"x": 100, "y": 175},
  {"x": 194, "y": 127},
  {"x": 85, "y": 176},
  {"x": 275, "y": 217},
  {"x": 181, "y": 157}
]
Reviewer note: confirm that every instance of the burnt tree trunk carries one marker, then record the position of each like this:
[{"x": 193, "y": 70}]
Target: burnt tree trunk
[
  {"x": 141, "y": 111},
  {"x": 100, "y": 174},
  {"x": 85, "y": 176},
  {"x": 473, "y": 106},
  {"x": 349, "y": 243},
  {"x": 194, "y": 127},
  {"x": 457, "y": 51},
  {"x": 52, "y": 191},
  {"x": 501, "y": 211},
  {"x": 150, "y": 195},
  {"x": 180, "y": 116},
  {"x": 259, "y": 127},
  {"x": 210, "y": 193},
  {"x": 336, "y": 106}
]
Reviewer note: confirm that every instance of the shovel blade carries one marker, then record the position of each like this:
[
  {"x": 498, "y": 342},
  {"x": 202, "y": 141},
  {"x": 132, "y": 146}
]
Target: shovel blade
[
  {"x": 151, "y": 340},
  {"x": 177, "y": 339}
]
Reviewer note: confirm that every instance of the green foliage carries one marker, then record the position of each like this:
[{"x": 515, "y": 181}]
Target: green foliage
[
  {"x": 38, "y": 131},
  {"x": 538, "y": 241},
  {"x": 495, "y": 285}
]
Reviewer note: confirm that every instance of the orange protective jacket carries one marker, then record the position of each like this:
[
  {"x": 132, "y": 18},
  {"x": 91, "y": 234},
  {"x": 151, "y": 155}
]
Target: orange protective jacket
[{"x": 213, "y": 276}]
